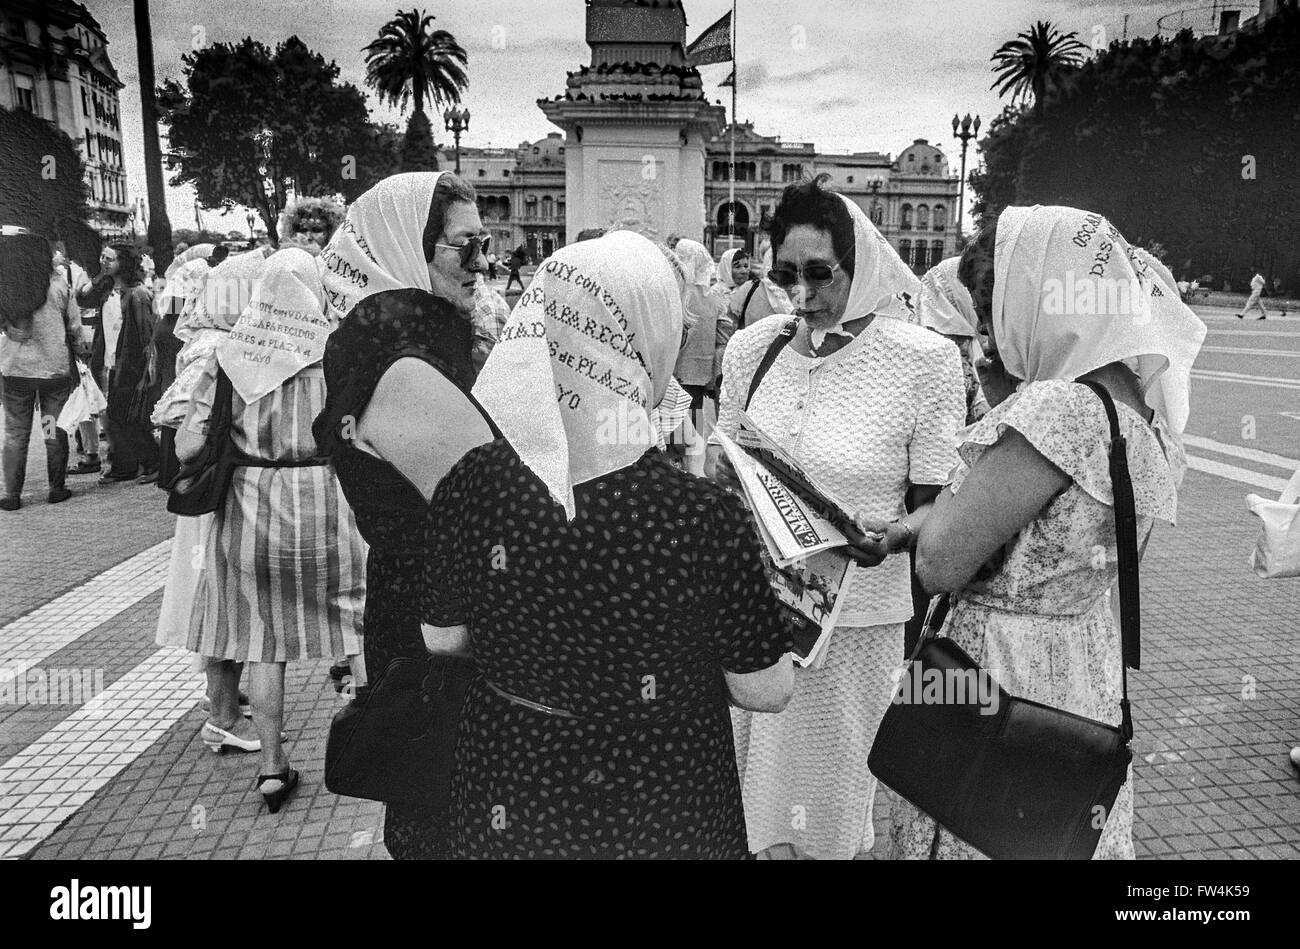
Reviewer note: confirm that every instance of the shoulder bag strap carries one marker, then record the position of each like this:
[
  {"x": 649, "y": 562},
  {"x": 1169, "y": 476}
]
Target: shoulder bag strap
[
  {"x": 740, "y": 321},
  {"x": 1126, "y": 538},
  {"x": 782, "y": 340}
]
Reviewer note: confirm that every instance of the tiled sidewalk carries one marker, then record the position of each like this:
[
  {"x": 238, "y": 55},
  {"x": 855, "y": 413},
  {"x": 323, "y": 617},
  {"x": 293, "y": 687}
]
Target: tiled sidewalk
[{"x": 1217, "y": 704}]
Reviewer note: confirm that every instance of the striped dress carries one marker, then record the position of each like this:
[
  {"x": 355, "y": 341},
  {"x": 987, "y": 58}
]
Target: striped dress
[{"x": 285, "y": 570}]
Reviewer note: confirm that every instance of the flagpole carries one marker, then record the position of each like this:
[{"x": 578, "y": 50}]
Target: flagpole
[{"x": 735, "y": 80}]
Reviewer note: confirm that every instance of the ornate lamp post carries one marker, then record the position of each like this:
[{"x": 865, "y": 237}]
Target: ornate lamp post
[
  {"x": 874, "y": 187},
  {"x": 966, "y": 133},
  {"x": 457, "y": 121}
]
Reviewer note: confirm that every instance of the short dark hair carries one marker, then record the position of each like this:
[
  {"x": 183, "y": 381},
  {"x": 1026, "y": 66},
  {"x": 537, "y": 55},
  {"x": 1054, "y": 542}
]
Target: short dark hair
[
  {"x": 26, "y": 263},
  {"x": 811, "y": 202},
  {"x": 589, "y": 234},
  {"x": 130, "y": 267},
  {"x": 219, "y": 253},
  {"x": 450, "y": 190}
]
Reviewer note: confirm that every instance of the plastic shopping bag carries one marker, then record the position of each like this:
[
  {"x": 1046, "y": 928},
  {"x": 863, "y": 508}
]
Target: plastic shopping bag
[
  {"x": 85, "y": 401},
  {"x": 1277, "y": 552}
]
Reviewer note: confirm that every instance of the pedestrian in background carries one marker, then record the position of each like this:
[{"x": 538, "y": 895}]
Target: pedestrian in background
[
  {"x": 87, "y": 431},
  {"x": 42, "y": 332},
  {"x": 517, "y": 260},
  {"x": 1254, "y": 302}
]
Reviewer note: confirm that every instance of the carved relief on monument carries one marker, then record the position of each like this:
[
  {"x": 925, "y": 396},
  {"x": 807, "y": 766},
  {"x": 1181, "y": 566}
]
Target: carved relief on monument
[{"x": 630, "y": 199}]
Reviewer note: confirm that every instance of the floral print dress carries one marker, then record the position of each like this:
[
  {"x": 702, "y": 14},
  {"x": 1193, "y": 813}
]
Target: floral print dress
[{"x": 1038, "y": 617}]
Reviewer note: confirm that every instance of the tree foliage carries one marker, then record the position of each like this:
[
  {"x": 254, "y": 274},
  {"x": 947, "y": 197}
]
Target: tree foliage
[
  {"x": 42, "y": 177},
  {"x": 248, "y": 124},
  {"x": 1193, "y": 143},
  {"x": 410, "y": 59},
  {"x": 1029, "y": 65}
]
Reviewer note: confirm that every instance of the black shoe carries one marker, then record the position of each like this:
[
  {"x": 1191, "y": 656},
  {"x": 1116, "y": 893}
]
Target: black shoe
[
  {"x": 1240, "y": 317},
  {"x": 111, "y": 478},
  {"x": 10, "y": 504},
  {"x": 275, "y": 799},
  {"x": 90, "y": 465},
  {"x": 58, "y": 495},
  {"x": 340, "y": 671},
  {"x": 1261, "y": 317}
]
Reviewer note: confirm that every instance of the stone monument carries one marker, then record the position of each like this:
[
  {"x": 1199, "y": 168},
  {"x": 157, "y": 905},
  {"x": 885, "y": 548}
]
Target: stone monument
[{"x": 636, "y": 123}]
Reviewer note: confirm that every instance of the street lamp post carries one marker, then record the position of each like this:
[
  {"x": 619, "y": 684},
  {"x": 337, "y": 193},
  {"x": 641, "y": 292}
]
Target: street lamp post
[
  {"x": 875, "y": 200},
  {"x": 457, "y": 121},
  {"x": 966, "y": 133}
]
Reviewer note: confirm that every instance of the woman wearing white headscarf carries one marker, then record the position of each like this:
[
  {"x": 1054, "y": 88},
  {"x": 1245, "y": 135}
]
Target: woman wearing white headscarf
[
  {"x": 400, "y": 277},
  {"x": 283, "y": 576},
  {"x": 620, "y": 602},
  {"x": 946, "y": 307},
  {"x": 870, "y": 405},
  {"x": 1025, "y": 537}
]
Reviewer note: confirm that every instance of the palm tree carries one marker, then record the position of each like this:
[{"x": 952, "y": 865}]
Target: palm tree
[
  {"x": 410, "y": 59},
  {"x": 1033, "y": 61}
]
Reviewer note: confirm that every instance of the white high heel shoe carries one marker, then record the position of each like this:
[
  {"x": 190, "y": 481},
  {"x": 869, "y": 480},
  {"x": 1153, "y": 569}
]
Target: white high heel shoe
[{"x": 219, "y": 741}]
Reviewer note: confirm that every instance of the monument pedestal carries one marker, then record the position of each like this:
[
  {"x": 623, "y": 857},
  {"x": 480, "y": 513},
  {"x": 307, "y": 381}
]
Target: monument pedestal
[{"x": 636, "y": 123}]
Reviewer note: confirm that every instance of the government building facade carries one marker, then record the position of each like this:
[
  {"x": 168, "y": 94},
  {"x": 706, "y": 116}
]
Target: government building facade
[{"x": 54, "y": 64}]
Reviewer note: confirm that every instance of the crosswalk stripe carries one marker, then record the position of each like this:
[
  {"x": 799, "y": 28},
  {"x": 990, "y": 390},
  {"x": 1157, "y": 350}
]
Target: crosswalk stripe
[
  {"x": 1245, "y": 454},
  {"x": 53, "y": 777},
  {"x": 1269, "y": 381},
  {"x": 30, "y": 639},
  {"x": 1234, "y": 473},
  {"x": 1247, "y": 351}
]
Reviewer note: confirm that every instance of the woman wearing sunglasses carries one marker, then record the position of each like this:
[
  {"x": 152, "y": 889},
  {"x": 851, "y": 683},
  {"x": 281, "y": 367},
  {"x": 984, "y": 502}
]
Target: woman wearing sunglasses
[
  {"x": 400, "y": 278},
  {"x": 870, "y": 405}
]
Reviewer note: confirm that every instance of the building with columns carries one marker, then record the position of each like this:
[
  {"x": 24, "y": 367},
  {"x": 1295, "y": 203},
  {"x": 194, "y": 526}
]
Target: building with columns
[
  {"x": 54, "y": 63},
  {"x": 911, "y": 199}
]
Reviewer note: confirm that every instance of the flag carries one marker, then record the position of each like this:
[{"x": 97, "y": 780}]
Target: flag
[
  {"x": 713, "y": 45},
  {"x": 730, "y": 80}
]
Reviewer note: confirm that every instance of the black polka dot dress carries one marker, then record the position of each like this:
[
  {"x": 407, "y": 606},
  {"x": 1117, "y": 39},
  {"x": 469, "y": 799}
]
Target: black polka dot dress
[{"x": 626, "y": 618}]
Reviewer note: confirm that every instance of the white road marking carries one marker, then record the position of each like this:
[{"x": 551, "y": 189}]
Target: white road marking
[
  {"x": 53, "y": 777},
  {"x": 1233, "y": 473},
  {"x": 30, "y": 639},
  {"x": 1272, "y": 382},
  {"x": 1245, "y": 454},
  {"x": 1243, "y": 351},
  {"x": 1244, "y": 332}
]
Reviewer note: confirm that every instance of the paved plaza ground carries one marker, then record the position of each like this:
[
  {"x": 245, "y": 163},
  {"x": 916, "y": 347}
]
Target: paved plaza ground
[{"x": 1216, "y": 705}]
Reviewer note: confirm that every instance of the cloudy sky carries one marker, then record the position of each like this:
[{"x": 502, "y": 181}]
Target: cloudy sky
[{"x": 847, "y": 75}]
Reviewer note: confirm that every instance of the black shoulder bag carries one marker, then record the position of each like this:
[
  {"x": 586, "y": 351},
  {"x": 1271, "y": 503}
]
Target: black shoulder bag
[
  {"x": 201, "y": 483},
  {"x": 781, "y": 341},
  {"x": 1013, "y": 778}
]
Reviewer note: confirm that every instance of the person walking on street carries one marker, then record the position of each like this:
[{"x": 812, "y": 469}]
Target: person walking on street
[
  {"x": 42, "y": 331},
  {"x": 492, "y": 265},
  {"x": 1254, "y": 302},
  {"x": 517, "y": 260}
]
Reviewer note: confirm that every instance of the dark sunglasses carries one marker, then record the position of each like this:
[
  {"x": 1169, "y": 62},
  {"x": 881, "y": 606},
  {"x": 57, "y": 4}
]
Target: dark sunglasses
[
  {"x": 814, "y": 275},
  {"x": 470, "y": 250}
]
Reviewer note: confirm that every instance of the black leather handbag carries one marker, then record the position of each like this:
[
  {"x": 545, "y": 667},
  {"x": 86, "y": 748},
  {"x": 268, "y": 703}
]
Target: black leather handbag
[
  {"x": 201, "y": 484},
  {"x": 1015, "y": 780},
  {"x": 396, "y": 740}
]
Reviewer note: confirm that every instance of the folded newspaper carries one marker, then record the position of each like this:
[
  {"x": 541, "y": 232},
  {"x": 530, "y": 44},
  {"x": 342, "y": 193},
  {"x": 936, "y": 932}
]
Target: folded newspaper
[{"x": 800, "y": 523}]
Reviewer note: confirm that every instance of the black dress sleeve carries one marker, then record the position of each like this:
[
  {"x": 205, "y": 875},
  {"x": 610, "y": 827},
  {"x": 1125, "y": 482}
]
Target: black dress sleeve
[
  {"x": 749, "y": 631},
  {"x": 443, "y": 586}
]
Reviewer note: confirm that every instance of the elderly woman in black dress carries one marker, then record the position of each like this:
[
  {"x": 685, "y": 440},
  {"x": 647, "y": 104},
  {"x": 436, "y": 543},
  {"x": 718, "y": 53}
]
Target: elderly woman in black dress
[
  {"x": 615, "y": 605},
  {"x": 400, "y": 275}
]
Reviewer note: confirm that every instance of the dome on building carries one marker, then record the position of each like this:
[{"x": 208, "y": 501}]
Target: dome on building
[
  {"x": 922, "y": 158},
  {"x": 546, "y": 152}
]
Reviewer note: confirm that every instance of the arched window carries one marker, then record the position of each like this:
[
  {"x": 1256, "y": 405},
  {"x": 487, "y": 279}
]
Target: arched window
[
  {"x": 936, "y": 252},
  {"x": 548, "y": 206},
  {"x": 923, "y": 218},
  {"x": 922, "y": 260},
  {"x": 906, "y": 219},
  {"x": 905, "y": 251},
  {"x": 940, "y": 217}
]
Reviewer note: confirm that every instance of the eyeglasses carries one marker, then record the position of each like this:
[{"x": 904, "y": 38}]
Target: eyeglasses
[
  {"x": 470, "y": 250},
  {"x": 815, "y": 275}
]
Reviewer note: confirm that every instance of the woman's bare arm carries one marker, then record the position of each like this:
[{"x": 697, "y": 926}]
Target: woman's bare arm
[
  {"x": 1007, "y": 488},
  {"x": 421, "y": 423}
]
